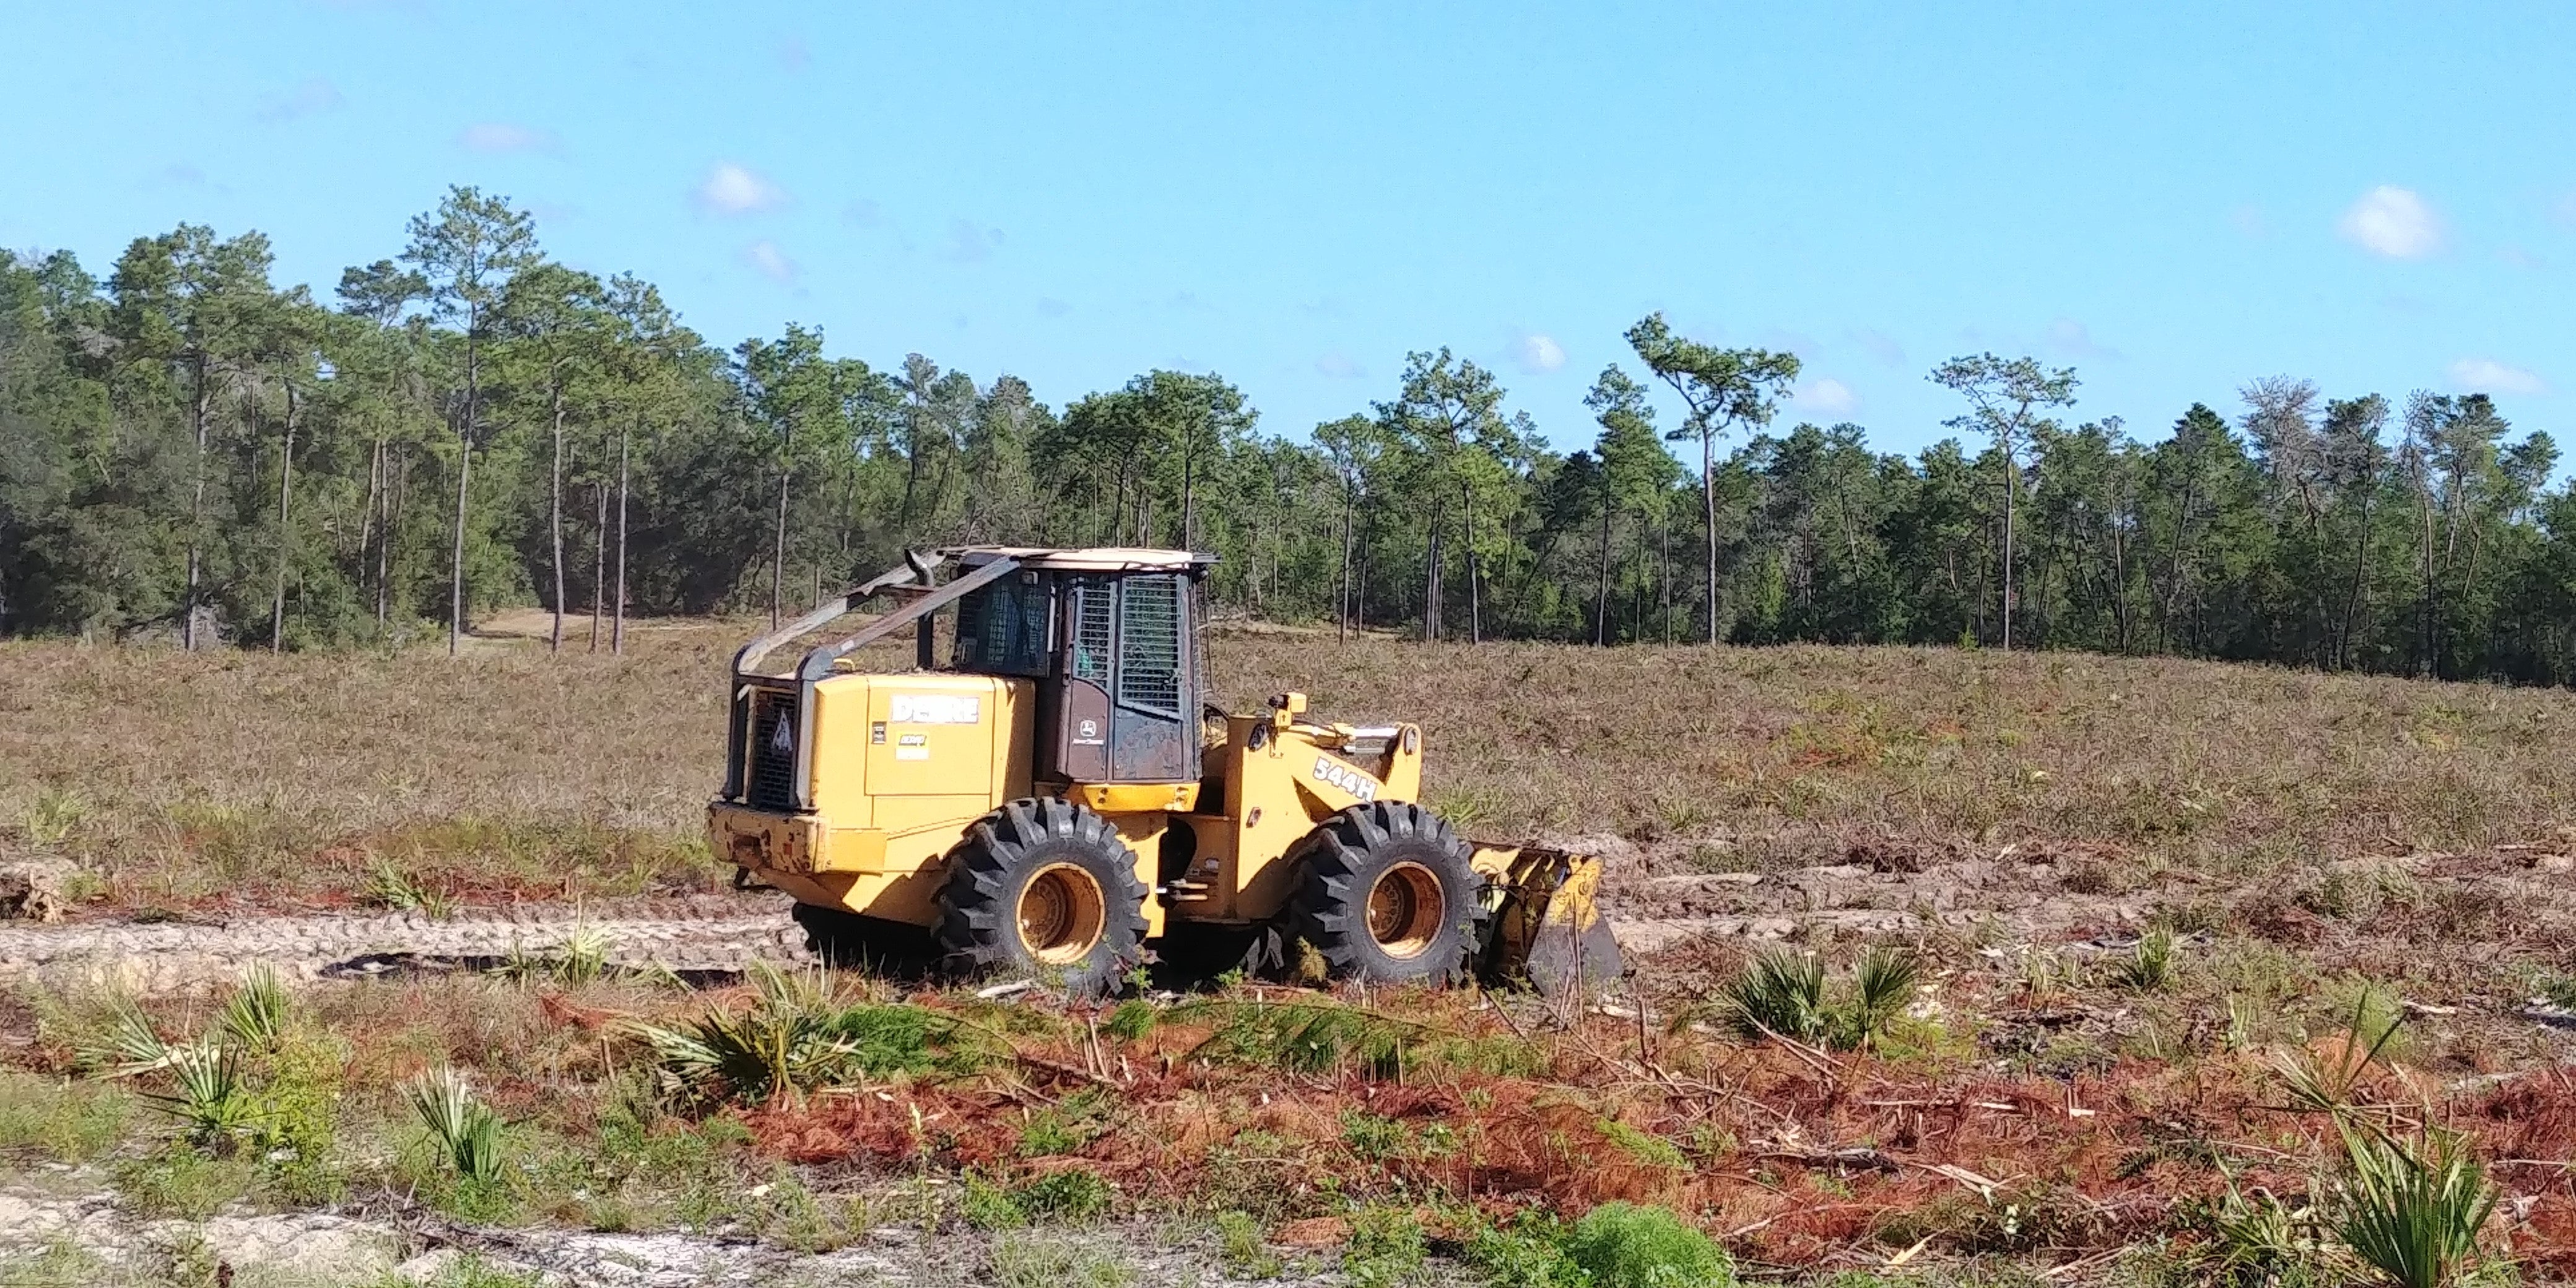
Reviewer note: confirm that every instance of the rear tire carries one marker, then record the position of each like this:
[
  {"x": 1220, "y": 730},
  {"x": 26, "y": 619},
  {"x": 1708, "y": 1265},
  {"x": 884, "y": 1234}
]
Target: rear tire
[
  {"x": 1043, "y": 888},
  {"x": 1386, "y": 895}
]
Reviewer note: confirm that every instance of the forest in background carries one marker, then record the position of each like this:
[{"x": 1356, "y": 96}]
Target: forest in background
[{"x": 190, "y": 452}]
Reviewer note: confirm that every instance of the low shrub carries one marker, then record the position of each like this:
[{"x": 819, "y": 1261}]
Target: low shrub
[
  {"x": 1623, "y": 1245},
  {"x": 1076, "y": 1194},
  {"x": 1530, "y": 1253}
]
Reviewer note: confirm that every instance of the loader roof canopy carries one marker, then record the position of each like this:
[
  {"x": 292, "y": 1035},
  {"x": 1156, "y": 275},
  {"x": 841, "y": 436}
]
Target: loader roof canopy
[{"x": 1094, "y": 559}]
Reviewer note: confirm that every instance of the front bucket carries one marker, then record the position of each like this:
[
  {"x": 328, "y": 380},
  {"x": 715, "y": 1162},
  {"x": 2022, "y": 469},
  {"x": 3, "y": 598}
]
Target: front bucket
[{"x": 1547, "y": 930}]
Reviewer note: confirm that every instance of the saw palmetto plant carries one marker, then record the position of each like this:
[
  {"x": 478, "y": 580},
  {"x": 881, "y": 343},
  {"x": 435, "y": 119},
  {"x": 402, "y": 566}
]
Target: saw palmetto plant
[
  {"x": 2413, "y": 1211},
  {"x": 464, "y": 1130}
]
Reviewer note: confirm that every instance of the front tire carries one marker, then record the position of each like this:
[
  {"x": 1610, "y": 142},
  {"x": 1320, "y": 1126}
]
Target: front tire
[
  {"x": 1386, "y": 895},
  {"x": 1043, "y": 888}
]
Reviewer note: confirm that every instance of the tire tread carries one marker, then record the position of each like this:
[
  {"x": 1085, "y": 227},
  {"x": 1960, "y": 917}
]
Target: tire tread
[
  {"x": 1327, "y": 909},
  {"x": 978, "y": 934}
]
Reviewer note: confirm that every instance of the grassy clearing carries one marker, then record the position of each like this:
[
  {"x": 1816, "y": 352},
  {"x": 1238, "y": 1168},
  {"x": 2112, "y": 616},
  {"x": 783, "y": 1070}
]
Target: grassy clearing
[{"x": 415, "y": 781}]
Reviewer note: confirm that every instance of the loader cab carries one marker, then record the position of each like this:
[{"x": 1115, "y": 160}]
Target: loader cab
[{"x": 1111, "y": 639}]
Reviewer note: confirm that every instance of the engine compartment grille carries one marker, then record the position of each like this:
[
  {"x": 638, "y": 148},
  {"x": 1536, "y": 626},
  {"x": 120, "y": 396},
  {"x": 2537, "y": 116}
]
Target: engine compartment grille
[{"x": 771, "y": 783}]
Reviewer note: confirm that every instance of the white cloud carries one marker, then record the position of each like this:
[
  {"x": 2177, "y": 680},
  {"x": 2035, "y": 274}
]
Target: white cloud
[
  {"x": 1053, "y": 307},
  {"x": 771, "y": 261},
  {"x": 314, "y": 95},
  {"x": 734, "y": 190},
  {"x": 793, "y": 54},
  {"x": 1538, "y": 353},
  {"x": 500, "y": 136},
  {"x": 2394, "y": 222},
  {"x": 864, "y": 212},
  {"x": 2488, "y": 376},
  {"x": 1339, "y": 367},
  {"x": 970, "y": 242},
  {"x": 1825, "y": 396}
]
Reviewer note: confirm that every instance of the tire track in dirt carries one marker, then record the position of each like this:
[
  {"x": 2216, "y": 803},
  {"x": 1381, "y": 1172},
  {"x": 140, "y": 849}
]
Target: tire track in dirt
[
  {"x": 1656, "y": 912},
  {"x": 2045, "y": 898},
  {"x": 714, "y": 934},
  {"x": 2030, "y": 901}
]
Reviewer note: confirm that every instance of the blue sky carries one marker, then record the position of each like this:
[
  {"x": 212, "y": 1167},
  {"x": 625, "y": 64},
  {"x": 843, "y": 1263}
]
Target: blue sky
[{"x": 2174, "y": 199}]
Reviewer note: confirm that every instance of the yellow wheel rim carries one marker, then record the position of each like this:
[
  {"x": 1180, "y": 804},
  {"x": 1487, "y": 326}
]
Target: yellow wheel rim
[
  {"x": 1406, "y": 911},
  {"x": 1062, "y": 913}
]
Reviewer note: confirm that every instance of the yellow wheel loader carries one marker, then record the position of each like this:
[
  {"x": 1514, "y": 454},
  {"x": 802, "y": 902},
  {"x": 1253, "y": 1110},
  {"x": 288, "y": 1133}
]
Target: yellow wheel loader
[{"x": 1050, "y": 793}]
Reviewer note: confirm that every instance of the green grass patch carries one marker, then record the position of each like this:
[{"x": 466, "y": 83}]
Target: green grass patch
[
  {"x": 1241, "y": 1249},
  {"x": 1073, "y": 1196},
  {"x": 66, "y": 1121},
  {"x": 1645, "y": 1147},
  {"x": 1386, "y": 1247},
  {"x": 1024, "y": 1259},
  {"x": 1323, "y": 1038},
  {"x": 178, "y": 1181}
]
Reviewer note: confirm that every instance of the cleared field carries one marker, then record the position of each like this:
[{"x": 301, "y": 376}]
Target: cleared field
[
  {"x": 508, "y": 773},
  {"x": 2151, "y": 942}
]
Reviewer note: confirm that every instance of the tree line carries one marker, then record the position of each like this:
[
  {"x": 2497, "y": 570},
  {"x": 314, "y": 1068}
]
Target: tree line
[{"x": 189, "y": 451}]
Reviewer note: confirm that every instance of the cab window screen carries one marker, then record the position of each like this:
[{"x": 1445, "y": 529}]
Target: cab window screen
[
  {"x": 1001, "y": 629},
  {"x": 1149, "y": 645},
  {"x": 1094, "y": 611}
]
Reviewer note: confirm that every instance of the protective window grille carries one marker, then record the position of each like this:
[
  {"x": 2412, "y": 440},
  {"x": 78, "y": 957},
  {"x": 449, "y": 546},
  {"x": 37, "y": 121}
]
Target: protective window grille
[
  {"x": 1034, "y": 606},
  {"x": 1092, "y": 615},
  {"x": 1149, "y": 645},
  {"x": 773, "y": 765},
  {"x": 994, "y": 629}
]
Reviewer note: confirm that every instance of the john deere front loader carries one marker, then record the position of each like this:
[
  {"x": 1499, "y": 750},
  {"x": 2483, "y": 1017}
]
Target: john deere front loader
[{"x": 1051, "y": 792}]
